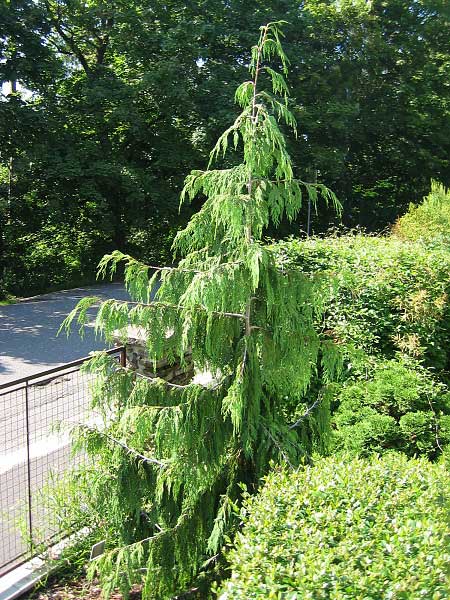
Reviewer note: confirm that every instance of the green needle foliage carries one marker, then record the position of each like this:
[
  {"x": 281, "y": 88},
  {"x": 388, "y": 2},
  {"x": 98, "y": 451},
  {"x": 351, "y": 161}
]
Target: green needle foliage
[{"x": 170, "y": 461}]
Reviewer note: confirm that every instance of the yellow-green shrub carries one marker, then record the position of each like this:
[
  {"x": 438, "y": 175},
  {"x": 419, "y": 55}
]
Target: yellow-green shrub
[{"x": 429, "y": 221}]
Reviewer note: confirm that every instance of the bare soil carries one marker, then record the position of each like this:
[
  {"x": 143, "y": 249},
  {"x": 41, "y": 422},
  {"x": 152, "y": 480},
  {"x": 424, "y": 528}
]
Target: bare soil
[{"x": 79, "y": 589}]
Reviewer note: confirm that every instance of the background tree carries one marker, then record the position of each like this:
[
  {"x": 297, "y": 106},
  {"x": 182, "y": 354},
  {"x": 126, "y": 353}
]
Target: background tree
[
  {"x": 170, "y": 460},
  {"x": 125, "y": 97}
]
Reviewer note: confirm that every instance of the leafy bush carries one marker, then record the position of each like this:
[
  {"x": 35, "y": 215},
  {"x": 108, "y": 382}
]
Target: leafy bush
[
  {"x": 429, "y": 221},
  {"x": 399, "y": 407},
  {"x": 389, "y": 295},
  {"x": 344, "y": 529},
  {"x": 389, "y": 311}
]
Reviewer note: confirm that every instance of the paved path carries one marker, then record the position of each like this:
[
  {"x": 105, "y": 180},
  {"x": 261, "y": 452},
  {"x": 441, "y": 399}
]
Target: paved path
[{"x": 28, "y": 341}]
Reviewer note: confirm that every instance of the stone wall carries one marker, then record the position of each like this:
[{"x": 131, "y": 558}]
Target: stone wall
[{"x": 137, "y": 359}]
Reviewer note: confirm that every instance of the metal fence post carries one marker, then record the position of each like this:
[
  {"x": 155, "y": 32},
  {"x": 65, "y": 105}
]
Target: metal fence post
[{"x": 27, "y": 421}]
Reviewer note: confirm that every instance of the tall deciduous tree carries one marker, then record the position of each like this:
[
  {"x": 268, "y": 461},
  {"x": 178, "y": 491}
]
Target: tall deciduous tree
[
  {"x": 127, "y": 96},
  {"x": 170, "y": 460}
]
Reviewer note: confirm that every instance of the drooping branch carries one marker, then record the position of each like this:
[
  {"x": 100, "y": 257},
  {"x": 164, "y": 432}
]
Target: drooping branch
[
  {"x": 306, "y": 414},
  {"x": 129, "y": 450},
  {"x": 169, "y": 383},
  {"x": 278, "y": 446},
  {"x": 158, "y": 304}
]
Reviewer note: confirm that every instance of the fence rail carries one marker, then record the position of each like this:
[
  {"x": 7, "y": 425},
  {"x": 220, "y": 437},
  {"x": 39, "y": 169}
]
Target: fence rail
[{"x": 31, "y": 450}]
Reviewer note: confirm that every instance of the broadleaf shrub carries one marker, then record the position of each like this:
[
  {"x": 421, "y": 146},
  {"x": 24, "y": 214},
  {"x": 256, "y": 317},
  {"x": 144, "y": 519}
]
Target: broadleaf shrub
[
  {"x": 373, "y": 530},
  {"x": 389, "y": 296},
  {"x": 390, "y": 315}
]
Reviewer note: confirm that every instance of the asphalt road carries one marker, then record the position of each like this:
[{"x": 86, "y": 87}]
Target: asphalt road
[
  {"x": 28, "y": 345},
  {"x": 62, "y": 399},
  {"x": 28, "y": 331}
]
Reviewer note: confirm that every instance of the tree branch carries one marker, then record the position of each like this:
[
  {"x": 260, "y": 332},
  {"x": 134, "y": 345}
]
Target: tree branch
[
  {"x": 197, "y": 271},
  {"x": 129, "y": 450},
  {"x": 279, "y": 448},
  {"x": 157, "y": 304},
  {"x": 306, "y": 413},
  {"x": 168, "y": 383},
  {"x": 68, "y": 38}
]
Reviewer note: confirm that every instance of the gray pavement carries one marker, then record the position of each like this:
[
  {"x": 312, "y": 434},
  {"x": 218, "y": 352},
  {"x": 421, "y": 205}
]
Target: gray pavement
[
  {"x": 28, "y": 345},
  {"x": 63, "y": 399},
  {"x": 28, "y": 331}
]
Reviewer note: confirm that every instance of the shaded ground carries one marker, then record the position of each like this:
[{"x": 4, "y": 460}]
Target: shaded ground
[{"x": 78, "y": 589}]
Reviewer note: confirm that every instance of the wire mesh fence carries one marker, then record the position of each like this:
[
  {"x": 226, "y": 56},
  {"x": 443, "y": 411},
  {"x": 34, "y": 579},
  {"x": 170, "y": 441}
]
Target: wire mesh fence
[{"x": 33, "y": 454}]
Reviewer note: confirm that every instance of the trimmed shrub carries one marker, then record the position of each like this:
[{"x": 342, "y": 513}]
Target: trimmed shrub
[
  {"x": 368, "y": 530},
  {"x": 399, "y": 407}
]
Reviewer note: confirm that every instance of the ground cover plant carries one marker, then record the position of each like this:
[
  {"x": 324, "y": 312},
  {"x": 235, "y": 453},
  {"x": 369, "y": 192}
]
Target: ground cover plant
[
  {"x": 169, "y": 461},
  {"x": 346, "y": 529}
]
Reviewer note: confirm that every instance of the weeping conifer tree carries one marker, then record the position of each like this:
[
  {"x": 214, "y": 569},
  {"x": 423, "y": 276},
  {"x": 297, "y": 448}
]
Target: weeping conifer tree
[{"x": 169, "y": 461}]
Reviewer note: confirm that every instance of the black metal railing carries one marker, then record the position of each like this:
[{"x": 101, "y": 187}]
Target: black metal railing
[{"x": 31, "y": 449}]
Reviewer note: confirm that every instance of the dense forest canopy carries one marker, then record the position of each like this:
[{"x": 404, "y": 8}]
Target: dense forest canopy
[{"x": 106, "y": 106}]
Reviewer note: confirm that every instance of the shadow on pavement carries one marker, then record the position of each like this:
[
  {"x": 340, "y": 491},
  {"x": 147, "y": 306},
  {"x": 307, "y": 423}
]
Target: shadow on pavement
[{"x": 28, "y": 331}]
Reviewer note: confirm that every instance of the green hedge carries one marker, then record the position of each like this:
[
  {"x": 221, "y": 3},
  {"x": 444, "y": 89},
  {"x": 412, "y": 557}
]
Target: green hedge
[
  {"x": 389, "y": 312},
  {"x": 342, "y": 529},
  {"x": 390, "y": 296}
]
